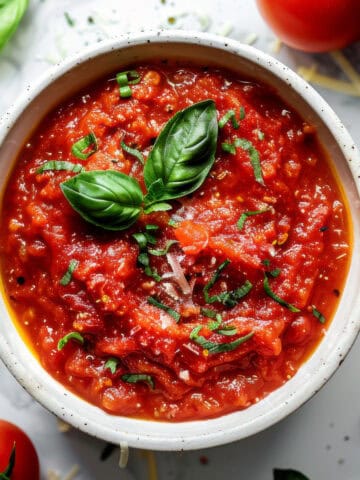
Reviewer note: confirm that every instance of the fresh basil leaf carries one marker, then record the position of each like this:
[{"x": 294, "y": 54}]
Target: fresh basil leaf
[
  {"x": 288, "y": 475},
  {"x": 138, "y": 377},
  {"x": 11, "y": 12},
  {"x": 105, "y": 198},
  {"x": 60, "y": 165},
  {"x": 158, "y": 207},
  {"x": 183, "y": 153},
  {"x": 70, "y": 336}
]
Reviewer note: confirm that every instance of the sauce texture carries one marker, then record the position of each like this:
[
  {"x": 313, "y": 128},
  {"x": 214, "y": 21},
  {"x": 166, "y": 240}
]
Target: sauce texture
[{"x": 136, "y": 358}]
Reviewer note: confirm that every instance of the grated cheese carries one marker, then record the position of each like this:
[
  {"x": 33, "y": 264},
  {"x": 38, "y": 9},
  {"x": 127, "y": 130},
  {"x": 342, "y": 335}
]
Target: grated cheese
[
  {"x": 62, "y": 426},
  {"x": 124, "y": 454},
  {"x": 347, "y": 68},
  {"x": 276, "y": 45},
  {"x": 251, "y": 38},
  {"x": 152, "y": 467},
  {"x": 73, "y": 473},
  {"x": 325, "y": 81}
]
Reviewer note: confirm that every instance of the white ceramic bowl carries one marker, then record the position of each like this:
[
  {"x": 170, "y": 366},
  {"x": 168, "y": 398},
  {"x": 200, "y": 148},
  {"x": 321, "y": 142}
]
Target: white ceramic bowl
[{"x": 66, "y": 79}]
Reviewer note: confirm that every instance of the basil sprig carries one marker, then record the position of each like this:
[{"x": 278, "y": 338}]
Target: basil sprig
[
  {"x": 182, "y": 156},
  {"x": 105, "y": 198},
  {"x": 11, "y": 12},
  {"x": 178, "y": 164}
]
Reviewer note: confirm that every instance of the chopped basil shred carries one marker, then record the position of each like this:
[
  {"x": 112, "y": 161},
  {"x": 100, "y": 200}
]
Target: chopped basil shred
[
  {"x": 227, "y": 330},
  {"x": 138, "y": 377},
  {"x": 124, "y": 79},
  {"x": 60, "y": 165},
  {"x": 254, "y": 157},
  {"x": 80, "y": 149},
  {"x": 242, "y": 113},
  {"x": 227, "y": 298},
  {"x": 70, "y": 336},
  {"x": 207, "y": 312},
  {"x": 213, "y": 347},
  {"x": 133, "y": 151},
  {"x": 162, "y": 251},
  {"x": 245, "y": 215},
  {"x": 111, "y": 364},
  {"x": 215, "y": 324},
  {"x": 229, "y": 115},
  {"x": 278, "y": 299},
  {"x": 317, "y": 314},
  {"x": 66, "y": 279},
  {"x": 144, "y": 239},
  {"x": 153, "y": 301},
  {"x": 68, "y": 19},
  {"x": 228, "y": 148},
  {"x": 144, "y": 261}
]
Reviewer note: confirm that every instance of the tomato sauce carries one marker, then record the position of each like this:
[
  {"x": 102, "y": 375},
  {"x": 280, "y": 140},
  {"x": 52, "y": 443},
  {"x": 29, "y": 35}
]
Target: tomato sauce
[{"x": 300, "y": 242}]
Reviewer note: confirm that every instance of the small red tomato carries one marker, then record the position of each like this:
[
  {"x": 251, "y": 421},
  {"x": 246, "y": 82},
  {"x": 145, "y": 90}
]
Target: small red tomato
[
  {"x": 313, "y": 25},
  {"x": 16, "y": 448}
]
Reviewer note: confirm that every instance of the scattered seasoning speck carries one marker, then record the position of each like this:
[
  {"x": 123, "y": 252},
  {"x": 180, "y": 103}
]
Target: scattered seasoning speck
[
  {"x": 204, "y": 460},
  {"x": 91, "y": 20},
  {"x": 20, "y": 280},
  {"x": 336, "y": 292},
  {"x": 171, "y": 20},
  {"x": 346, "y": 438},
  {"x": 324, "y": 228}
]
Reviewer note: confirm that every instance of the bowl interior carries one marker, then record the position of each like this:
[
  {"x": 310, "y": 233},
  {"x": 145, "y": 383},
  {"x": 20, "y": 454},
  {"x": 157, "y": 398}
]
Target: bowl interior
[{"x": 64, "y": 81}]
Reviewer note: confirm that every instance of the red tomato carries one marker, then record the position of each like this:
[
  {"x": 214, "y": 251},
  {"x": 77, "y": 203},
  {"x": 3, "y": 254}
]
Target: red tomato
[
  {"x": 313, "y": 25},
  {"x": 26, "y": 460}
]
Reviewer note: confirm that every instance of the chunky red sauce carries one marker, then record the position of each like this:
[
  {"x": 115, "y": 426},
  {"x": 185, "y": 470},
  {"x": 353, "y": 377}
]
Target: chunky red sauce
[{"x": 303, "y": 236}]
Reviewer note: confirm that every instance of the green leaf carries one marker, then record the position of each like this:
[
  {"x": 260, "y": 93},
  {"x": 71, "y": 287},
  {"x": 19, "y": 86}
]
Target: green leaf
[
  {"x": 278, "y": 299},
  {"x": 227, "y": 298},
  {"x": 105, "y": 198},
  {"x": 245, "y": 215},
  {"x": 183, "y": 153},
  {"x": 173, "y": 313},
  {"x": 138, "y": 377},
  {"x": 66, "y": 279},
  {"x": 111, "y": 364},
  {"x": 6, "y": 474},
  {"x": 317, "y": 314},
  {"x": 213, "y": 347},
  {"x": 134, "y": 152},
  {"x": 158, "y": 207},
  {"x": 11, "y": 12},
  {"x": 80, "y": 149},
  {"x": 163, "y": 251},
  {"x": 70, "y": 336},
  {"x": 60, "y": 165},
  {"x": 288, "y": 475},
  {"x": 254, "y": 157}
]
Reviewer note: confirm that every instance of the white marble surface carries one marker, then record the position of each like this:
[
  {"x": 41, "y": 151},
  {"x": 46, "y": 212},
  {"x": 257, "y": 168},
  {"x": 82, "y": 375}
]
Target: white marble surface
[{"x": 322, "y": 439}]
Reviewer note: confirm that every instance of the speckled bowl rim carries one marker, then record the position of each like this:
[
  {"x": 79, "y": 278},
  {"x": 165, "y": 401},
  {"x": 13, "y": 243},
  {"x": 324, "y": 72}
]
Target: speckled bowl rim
[{"x": 192, "y": 434}]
